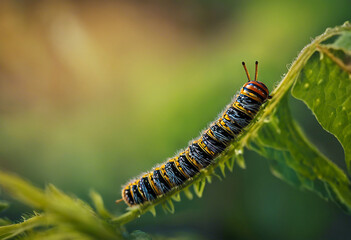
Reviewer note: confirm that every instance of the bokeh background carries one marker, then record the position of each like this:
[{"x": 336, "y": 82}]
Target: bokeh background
[{"x": 93, "y": 93}]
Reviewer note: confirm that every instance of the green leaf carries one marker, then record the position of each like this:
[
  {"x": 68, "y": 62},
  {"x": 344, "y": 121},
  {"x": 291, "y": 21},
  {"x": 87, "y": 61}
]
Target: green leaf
[
  {"x": 295, "y": 160},
  {"x": 323, "y": 83},
  {"x": 10, "y": 231},
  {"x": 99, "y": 205},
  {"x": 24, "y": 192},
  {"x": 60, "y": 209},
  {"x": 325, "y": 86},
  {"x": 321, "y": 77},
  {"x": 343, "y": 42}
]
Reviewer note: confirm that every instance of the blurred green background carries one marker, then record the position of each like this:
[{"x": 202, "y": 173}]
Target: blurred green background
[{"x": 94, "y": 93}]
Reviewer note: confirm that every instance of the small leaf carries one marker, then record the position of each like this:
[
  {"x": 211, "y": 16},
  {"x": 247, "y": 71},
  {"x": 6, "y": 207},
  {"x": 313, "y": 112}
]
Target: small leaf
[
  {"x": 222, "y": 168},
  {"x": 10, "y": 231},
  {"x": 22, "y": 191},
  {"x": 230, "y": 163},
  {"x": 240, "y": 158},
  {"x": 209, "y": 178},
  {"x": 176, "y": 197},
  {"x": 152, "y": 210},
  {"x": 199, "y": 187},
  {"x": 188, "y": 193},
  {"x": 216, "y": 175},
  {"x": 99, "y": 205},
  {"x": 168, "y": 206}
]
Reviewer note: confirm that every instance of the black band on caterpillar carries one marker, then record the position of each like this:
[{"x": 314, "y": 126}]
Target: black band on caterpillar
[{"x": 201, "y": 152}]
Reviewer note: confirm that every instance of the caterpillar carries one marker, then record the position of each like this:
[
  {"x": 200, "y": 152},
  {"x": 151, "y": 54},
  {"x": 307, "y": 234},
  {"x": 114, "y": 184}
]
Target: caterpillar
[{"x": 203, "y": 151}]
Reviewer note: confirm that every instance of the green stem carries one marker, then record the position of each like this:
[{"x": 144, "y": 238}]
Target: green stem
[{"x": 10, "y": 231}]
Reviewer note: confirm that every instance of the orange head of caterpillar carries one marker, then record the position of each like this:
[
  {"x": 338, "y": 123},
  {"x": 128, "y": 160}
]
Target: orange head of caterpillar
[{"x": 255, "y": 89}]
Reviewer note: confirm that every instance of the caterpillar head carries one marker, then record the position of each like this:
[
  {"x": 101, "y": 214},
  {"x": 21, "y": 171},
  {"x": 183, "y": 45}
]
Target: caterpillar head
[{"x": 255, "y": 89}]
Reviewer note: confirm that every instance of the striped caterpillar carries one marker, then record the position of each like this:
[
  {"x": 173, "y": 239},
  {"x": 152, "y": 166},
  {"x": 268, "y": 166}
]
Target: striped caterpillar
[{"x": 201, "y": 152}]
